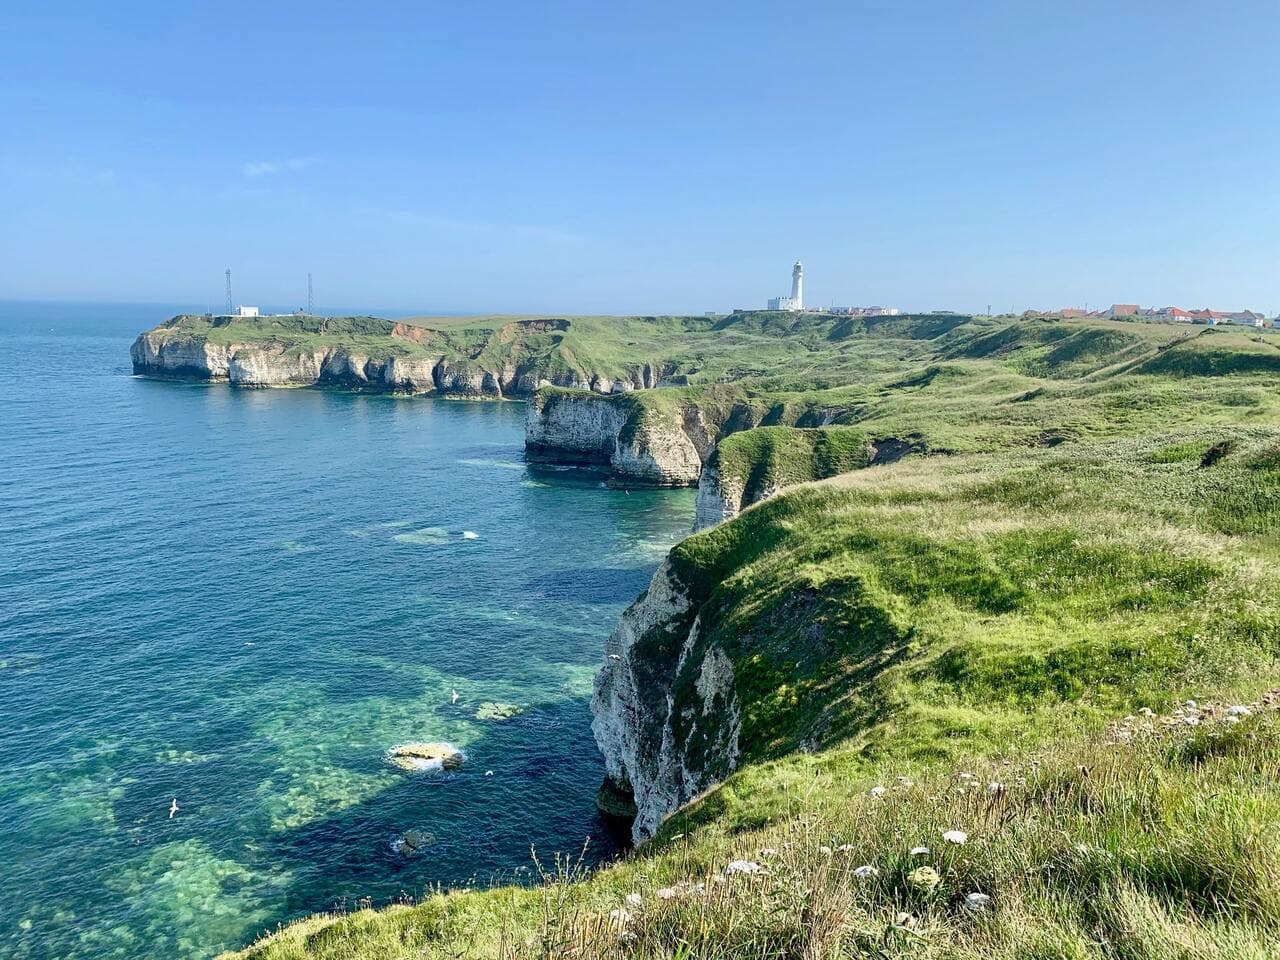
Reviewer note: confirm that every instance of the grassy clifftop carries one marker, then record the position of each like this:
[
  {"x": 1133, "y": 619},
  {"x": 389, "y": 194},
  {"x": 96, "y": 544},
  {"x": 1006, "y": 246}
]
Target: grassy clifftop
[{"x": 930, "y": 629}]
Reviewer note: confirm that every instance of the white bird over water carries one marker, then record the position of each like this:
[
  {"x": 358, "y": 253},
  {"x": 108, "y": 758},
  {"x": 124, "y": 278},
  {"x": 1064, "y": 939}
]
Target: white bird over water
[
  {"x": 453, "y": 695},
  {"x": 173, "y": 808}
]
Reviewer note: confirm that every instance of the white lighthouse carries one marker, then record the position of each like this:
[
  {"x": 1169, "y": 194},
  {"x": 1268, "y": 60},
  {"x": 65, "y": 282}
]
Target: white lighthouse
[{"x": 796, "y": 300}]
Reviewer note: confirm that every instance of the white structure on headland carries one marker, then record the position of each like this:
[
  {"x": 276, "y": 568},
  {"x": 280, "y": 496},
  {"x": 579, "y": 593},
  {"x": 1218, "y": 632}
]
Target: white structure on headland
[
  {"x": 796, "y": 300},
  {"x": 246, "y": 311}
]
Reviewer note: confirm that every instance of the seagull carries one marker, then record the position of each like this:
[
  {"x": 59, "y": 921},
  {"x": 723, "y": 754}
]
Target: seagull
[
  {"x": 454, "y": 697},
  {"x": 173, "y": 808},
  {"x": 488, "y": 773}
]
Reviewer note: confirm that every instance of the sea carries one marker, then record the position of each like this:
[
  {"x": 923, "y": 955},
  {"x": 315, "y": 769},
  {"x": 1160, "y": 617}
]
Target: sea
[{"x": 241, "y": 600}]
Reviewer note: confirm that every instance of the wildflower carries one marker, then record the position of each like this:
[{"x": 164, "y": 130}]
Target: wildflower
[
  {"x": 1146, "y": 712},
  {"x": 958, "y": 837},
  {"x": 924, "y": 878},
  {"x": 767, "y": 852},
  {"x": 878, "y": 791},
  {"x": 1190, "y": 704},
  {"x": 845, "y": 848},
  {"x": 1191, "y": 720},
  {"x": 1230, "y": 718},
  {"x": 904, "y": 920},
  {"x": 919, "y": 851},
  {"x": 633, "y": 900},
  {"x": 668, "y": 893},
  {"x": 825, "y": 851},
  {"x": 620, "y": 917},
  {"x": 976, "y": 902},
  {"x": 866, "y": 871},
  {"x": 995, "y": 787},
  {"x": 1238, "y": 711},
  {"x": 742, "y": 866}
]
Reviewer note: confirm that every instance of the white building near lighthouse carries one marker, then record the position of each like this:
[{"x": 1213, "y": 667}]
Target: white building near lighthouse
[{"x": 796, "y": 300}]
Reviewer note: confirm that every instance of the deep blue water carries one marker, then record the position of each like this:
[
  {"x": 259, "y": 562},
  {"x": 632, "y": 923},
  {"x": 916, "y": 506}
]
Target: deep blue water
[{"x": 241, "y": 600}]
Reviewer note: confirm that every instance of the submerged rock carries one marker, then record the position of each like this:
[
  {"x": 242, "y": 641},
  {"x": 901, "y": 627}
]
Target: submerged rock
[
  {"x": 412, "y": 842},
  {"x": 425, "y": 756},
  {"x": 496, "y": 710}
]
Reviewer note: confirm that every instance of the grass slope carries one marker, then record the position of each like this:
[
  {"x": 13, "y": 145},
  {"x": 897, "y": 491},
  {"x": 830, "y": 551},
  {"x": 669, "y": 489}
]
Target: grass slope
[{"x": 901, "y": 626}]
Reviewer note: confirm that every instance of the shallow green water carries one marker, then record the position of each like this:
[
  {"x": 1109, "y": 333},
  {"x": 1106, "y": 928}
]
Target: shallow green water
[{"x": 241, "y": 600}]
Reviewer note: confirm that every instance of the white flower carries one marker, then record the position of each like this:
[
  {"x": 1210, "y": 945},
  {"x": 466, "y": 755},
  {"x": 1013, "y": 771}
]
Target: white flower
[
  {"x": 926, "y": 878},
  {"x": 878, "y": 791},
  {"x": 866, "y": 871},
  {"x": 976, "y": 902},
  {"x": 767, "y": 852},
  {"x": 668, "y": 893},
  {"x": 1190, "y": 704},
  {"x": 825, "y": 851},
  {"x": 742, "y": 866},
  {"x": 633, "y": 900},
  {"x": 619, "y": 916},
  {"x": 955, "y": 836},
  {"x": 845, "y": 848},
  {"x": 995, "y": 787},
  {"x": 1191, "y": 720},
  {"x": 1238, "y": 711},
  {"x": 1146, "y": 712},
  {"x": 919, "y": 851},
  {"x": 1231, "y": 719}
]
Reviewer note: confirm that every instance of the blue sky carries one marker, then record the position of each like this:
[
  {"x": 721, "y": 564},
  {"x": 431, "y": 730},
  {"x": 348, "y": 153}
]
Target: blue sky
[{"x": 643, "y": 157}]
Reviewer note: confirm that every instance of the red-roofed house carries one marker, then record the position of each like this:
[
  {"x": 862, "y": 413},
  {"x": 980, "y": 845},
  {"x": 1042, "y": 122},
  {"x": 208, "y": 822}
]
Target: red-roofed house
[{"x": 1122, "y": 310}]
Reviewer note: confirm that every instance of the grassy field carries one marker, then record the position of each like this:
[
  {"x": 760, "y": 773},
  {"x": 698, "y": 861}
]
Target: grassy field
[{"x": 1001, "y": 644}]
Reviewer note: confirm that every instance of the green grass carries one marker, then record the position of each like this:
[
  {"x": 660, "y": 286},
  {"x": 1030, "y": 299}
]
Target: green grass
[{"x": 769, "y": 457}]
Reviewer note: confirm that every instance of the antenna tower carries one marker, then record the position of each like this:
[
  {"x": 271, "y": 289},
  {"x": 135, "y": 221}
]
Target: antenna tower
[
  {"x": 310, "y": 301},
  {"x": 230, "y": 308}
]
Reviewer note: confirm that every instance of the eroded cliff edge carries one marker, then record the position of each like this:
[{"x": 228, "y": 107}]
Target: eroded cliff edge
[
  {"x": 507, "y": 360},
  {"x": 665, "y": 712},
  {"x": 661, "y": 437}
]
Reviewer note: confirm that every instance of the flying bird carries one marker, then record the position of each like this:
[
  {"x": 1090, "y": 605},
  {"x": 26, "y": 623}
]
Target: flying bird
[
  {"x": 173, "y": 808},
  {"x": 454, "y": 697}
]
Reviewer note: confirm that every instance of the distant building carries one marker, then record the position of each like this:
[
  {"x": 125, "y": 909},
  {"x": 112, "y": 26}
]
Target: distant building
[
  {"x": 246, "y": 311},
  {"x": 1121, "y": 310},
  {"x": 794, "y": 302}
]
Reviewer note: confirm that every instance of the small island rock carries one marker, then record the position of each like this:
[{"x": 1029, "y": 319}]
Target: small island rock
[{"x": 425, "y": 756}]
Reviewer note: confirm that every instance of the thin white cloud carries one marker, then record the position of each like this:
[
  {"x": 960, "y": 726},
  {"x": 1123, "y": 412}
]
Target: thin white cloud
[{"x": 269, "y": 168}]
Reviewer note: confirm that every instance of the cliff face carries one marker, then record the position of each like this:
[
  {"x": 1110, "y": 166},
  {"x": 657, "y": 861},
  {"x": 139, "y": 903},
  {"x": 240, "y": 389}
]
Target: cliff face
[
  {"x": 633, "y": 442},
  {"x": 722, "y": 498},
  {"x": 494, "y": 366},
  {"x": 663, "y": 443},
  {"x": 665, "y": 713}
]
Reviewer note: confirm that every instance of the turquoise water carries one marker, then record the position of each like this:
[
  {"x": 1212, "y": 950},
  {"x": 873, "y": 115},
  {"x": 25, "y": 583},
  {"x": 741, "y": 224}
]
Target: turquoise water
[{"x": 241, "y": 600}]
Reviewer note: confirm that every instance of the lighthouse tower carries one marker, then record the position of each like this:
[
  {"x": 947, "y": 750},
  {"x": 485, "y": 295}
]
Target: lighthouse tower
[{"x": 797, "y": 286}]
